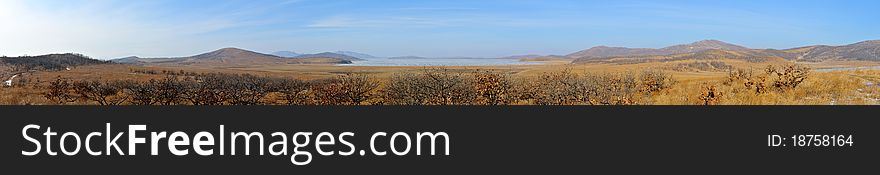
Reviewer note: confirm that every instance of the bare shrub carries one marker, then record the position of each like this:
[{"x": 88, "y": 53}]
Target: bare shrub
[
  {"x": 104, "y": 93},
  {"x": 169, "y": 90},
  {"x": 737, "y": 75},
  {"x": 711, "y": 95},
  {"x": 789, "y": 76},
  {"x": 205, "y": 89},
  {"x": 349, "y": 89},
  {"x": 357, "y": 88},
  {"x": 566, "y": 88},
  {"x": 524, "y": 90},
  {"x": 493, "y": 88},
  {"x": 327, "y": 92},
  {"x": 750, "y": 81},
  {"x": 436, "y": 86},
  {"x": 245, "y": 89},
  {"x": 610, "y": 89},
  {"x": 653, "y": 81},
  {"x": 560, "y": 88},
  {"x": 784, "y": 78},
  {"x": 294, "y": 92},
  {"x": 61, "y": 91},
  {"x": 143, "y": 93},
  {"x": 758, "y": 83}
]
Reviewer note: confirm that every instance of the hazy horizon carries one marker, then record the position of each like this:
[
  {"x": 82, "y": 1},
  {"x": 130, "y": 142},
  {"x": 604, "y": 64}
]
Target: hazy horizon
[{"x": 493, "y": 28}]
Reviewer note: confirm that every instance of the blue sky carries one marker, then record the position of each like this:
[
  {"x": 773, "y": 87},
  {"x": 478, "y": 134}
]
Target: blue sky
[{"x": 441, "y": 28}]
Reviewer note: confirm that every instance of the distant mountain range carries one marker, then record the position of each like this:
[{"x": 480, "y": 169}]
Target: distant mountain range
[
  {"x": 329, "y": 55},
  {"x": 409, "y": 57},
  {"x": 356, "y": 54},
  {"x": 701, "y": 50},
  {"x": 714, "y": 49},
  {"x": 348, "y": 55},
  {"x": 286, "y": 54},
  {"x": 419, "y": 57},
  {"x": 231, "y": 57},
  {"x": 605, "y": 51}
]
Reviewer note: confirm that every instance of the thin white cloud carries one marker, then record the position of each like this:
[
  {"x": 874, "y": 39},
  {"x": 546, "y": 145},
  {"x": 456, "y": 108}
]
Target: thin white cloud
[
  {"x": 103, "y": 31},
  {"x": 438, "y": 9},
  {"x": 287, "y": 2},
  {"x": 336, "y": 22},
  {"x": 350, "y": 22}
]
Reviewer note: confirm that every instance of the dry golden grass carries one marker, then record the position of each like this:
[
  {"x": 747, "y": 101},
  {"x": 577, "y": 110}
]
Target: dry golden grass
[
  {"x": 826, "y": 88},
  {"x": 821, "y": 88},
  {"x": 22, "y": 96}
]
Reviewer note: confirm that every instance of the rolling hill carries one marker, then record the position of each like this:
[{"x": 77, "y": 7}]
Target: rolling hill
[
  {"x": 12, "y": 67},
  {"x": 233, "y": 56},
  {"x": 701, "y": 50},
  {"x": 701, "y": 46},
  {"x": 714, "y": 54},
  {"x": 605, "y": 51},
  {"x": 713, "y": 49},
  {"x": 862, "y": 51},
  {"x": 48, "y": 62},
  {"x": 230, "y": 57}
]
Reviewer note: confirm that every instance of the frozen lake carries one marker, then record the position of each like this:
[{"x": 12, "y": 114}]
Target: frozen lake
[
  {"x": 440, "y": 62},
  {"x": 848, "y": 68}
]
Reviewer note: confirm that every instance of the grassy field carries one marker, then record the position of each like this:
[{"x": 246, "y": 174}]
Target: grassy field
[{"x": 695, "y": 82}]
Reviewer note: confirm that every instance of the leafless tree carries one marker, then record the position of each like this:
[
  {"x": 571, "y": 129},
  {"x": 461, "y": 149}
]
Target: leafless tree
[
  {"x": 205, "y": 89},
  {"x": 493, "y": 88},
  {"x": 357, "y": 88},
  {"x": 169, "y": 90},
  {"x": 326, "y": 92},
  {"x": 61, "y": 91},
  {"x": 293, "y": 91},
  {"x": 143, "y": 93},
  {"x": 434, "y": 86},
  {"x": 104, "y": 93},
  {"x": 246, "y": 89}
]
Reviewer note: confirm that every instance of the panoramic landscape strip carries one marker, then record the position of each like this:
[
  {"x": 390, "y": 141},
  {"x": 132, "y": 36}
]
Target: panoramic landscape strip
[
  {"x": 451, "y": 52},
  {"x": 708, "y": 72}
]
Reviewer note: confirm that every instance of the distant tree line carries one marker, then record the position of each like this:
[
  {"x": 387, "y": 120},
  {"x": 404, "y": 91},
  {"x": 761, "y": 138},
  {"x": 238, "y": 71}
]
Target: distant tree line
[
  {"x": 162, "y": 72},
  {"x": 703, "y": 66},
  {"x": 708, "y": 55},
  {"x": 49, "y": 62},
  {"x": 432, "y": 86}
]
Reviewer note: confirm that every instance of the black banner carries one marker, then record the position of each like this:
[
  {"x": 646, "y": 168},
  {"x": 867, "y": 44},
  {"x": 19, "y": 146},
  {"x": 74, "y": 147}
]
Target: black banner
[{"x": 493, "y": 140}]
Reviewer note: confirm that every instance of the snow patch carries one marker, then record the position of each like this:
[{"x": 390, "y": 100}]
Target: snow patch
[{"x": 9, "y": 82}]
